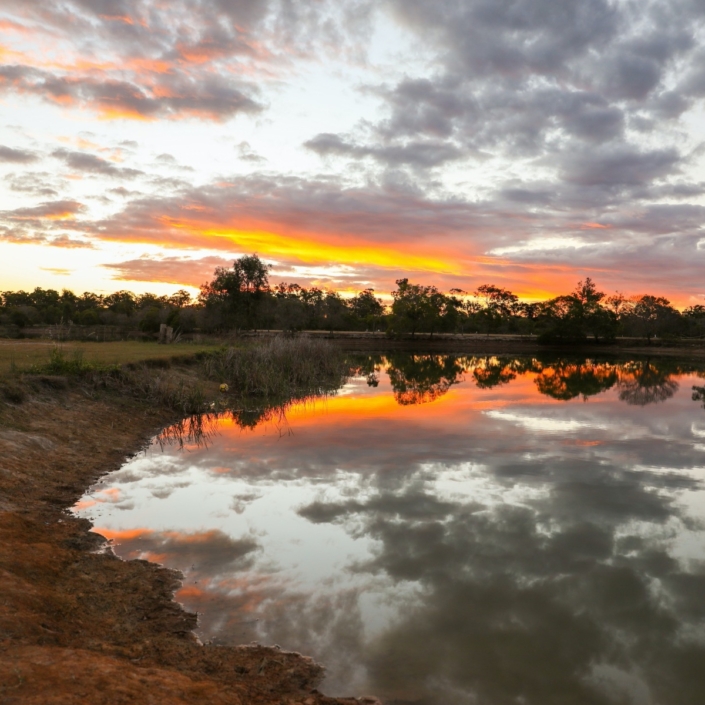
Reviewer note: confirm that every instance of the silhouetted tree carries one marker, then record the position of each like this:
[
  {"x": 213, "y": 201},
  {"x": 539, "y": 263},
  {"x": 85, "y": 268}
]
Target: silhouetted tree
[
  {"x": 498, "y": 305},
  {"x": 366, "y": 310},
  {"x": 653, "y": 316},
  {"x": 236, "y": 293},
  {"x": 416, "y": 308}
]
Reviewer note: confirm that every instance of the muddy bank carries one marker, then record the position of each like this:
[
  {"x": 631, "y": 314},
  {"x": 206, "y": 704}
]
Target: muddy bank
[{"x": 78, "y": 625}]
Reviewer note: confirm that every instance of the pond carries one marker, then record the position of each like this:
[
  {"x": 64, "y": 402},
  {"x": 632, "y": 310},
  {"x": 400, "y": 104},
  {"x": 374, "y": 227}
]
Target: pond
[{"x": 447, "y": 529}]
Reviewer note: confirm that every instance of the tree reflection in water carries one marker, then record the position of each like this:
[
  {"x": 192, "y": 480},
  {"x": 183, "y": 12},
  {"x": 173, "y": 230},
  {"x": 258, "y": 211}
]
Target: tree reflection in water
[
  {"x": 529, "y": 549},
  {"x": 642, "y": 383},
  {"x": 420, "y": 379},
  {"x": 568, "y": 380}
]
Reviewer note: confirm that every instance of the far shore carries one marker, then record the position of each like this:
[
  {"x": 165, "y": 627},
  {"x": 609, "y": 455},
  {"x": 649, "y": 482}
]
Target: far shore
[
  {"x": 495, "y": 344},
  {"x": 368, "y": 341}
]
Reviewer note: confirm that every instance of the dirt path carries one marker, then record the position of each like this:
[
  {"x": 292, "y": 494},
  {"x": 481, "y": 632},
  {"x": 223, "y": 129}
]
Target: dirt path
[{"x": 78, "y": 625}]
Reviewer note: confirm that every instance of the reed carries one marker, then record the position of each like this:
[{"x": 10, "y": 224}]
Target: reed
[{"x": 279, "y": 369}]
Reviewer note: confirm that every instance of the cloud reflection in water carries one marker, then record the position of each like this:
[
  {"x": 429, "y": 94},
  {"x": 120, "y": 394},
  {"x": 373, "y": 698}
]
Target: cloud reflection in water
[{"x": 450, "y": 531}]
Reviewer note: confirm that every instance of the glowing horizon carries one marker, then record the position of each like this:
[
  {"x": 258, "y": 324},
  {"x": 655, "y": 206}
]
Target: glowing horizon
[{"x": 353, "y": 144}]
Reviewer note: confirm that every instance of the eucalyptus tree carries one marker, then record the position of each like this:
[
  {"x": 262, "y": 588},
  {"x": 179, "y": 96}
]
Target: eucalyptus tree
[
  {"x": 237, "y": 293},
  {"x": 499, "y": 306},
  {"x": 416, "y": 308}
]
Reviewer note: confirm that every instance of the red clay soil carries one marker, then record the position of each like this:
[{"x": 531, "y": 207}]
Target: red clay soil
[{"x": 78, "y": 625}]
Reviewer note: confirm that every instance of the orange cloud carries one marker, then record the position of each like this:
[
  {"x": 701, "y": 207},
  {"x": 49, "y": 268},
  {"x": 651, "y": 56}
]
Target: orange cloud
[
  {"x": 51, "y": 210},
  {"x": 118, "y": 18},
  {"x": 595, "y": 226}
]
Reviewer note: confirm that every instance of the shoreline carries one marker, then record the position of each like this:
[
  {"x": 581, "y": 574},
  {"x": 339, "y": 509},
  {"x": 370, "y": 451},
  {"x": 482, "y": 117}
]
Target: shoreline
[{"x": 78, "y": 624}]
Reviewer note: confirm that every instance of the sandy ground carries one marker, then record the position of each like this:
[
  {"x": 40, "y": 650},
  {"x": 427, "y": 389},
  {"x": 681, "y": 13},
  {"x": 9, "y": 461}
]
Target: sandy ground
[{"x": 78, "y": 625}]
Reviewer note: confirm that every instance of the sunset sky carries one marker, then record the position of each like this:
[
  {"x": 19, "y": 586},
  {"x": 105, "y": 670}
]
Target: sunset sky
[{"x": 524, "y": 143}]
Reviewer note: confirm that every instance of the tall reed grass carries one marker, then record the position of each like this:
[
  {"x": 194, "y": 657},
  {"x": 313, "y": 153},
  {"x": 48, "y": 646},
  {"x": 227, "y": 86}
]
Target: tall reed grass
[{"x": 280, "y": 368}]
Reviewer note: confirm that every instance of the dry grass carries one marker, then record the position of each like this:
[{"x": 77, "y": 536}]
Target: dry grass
[{"x": 279, "y": 368}]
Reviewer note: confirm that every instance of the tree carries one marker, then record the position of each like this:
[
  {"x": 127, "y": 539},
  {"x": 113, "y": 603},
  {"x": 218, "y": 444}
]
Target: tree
[
  {"x": 593, "y": 317},
  {"x": 334, "y": 310},
  {"x": 694, "y": 319},
  {"x": 653, "y": 315},
  {"x": 561, "y": 320},
  {"x": 499, "y": 306},
  {"x": 237, "y": 292},
  {"x": 366, "y": 309},
  {"x": 643, "y": 383},
  {"x": 180, "y": 298},
  {"x": 566, "y": 380},
  {"x": 491, "y": 372},
  {"x": 122, "y": 302},
  {"x": 416, "y": 307},
  {"x": 572, "y": 317}
]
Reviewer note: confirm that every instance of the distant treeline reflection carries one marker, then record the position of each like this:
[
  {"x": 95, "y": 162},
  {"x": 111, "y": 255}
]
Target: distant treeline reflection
[{"x": 420, "y": 379}]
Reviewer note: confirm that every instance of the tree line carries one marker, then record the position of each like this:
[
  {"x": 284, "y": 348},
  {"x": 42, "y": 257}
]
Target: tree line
[{"x": 242, "y": 298}]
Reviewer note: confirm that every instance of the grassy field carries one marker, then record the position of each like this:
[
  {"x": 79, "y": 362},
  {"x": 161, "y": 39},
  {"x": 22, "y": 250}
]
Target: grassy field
[{"x": 25, "y": 353}]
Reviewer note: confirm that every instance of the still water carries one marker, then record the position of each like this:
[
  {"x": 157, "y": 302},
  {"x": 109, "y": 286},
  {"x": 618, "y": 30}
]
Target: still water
[{"x": 447, "y": 530}]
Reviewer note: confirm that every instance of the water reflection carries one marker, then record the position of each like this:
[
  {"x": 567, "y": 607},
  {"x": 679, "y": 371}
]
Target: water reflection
[
  {"x": 449, "y": 530},
  {"x": 420, "y": 379}
]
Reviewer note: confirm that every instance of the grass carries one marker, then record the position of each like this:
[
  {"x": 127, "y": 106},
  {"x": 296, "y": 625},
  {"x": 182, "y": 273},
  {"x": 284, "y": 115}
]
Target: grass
[
  {"x": 21, "y": 355},
  {"x": 279, "y": 368}
]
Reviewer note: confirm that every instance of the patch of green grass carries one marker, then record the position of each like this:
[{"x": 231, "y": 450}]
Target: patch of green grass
[
  {"x": 20, "y": 355},
  {"x": 61, "y": 363}
]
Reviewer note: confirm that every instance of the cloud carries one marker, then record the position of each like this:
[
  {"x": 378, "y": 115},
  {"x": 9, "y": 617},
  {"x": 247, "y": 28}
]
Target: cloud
[
  {"x": 70, "y": 243},
  {"x": 212, "y": 551},
  {"x": 246, "y": 154},
  {"x": 172, "y": 270},
  {"x": 59, "y": 271},
  {"x": 42, "y": 184},
  {"x": 84, "y": 161},
  {"x": 52, "y": 210},
  {"x": 499, "y": 130},
  {"x": 417, "y": 154},
  {"x": 16, "y": 156},
  {"x": 619, "y": 166},
  {"x": 175, "y": 62},
  {"x": 122, "y": 191}
]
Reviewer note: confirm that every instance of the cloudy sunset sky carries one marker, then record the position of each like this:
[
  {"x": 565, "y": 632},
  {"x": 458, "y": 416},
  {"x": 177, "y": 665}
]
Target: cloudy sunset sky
[{"x": 523, "y": 143}]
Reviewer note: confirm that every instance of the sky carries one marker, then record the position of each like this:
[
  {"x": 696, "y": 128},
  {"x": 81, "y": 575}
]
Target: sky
[{"x": 349, "y": 143}]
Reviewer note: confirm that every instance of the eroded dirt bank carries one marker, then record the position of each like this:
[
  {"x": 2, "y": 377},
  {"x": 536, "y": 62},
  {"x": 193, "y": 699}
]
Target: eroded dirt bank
[{"x": 80, "y": 626}]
